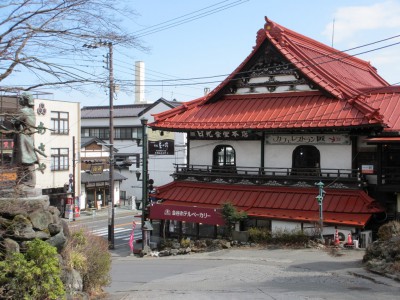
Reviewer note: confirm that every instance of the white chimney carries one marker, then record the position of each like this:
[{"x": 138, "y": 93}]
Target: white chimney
[{"x": 139, "y": 82}]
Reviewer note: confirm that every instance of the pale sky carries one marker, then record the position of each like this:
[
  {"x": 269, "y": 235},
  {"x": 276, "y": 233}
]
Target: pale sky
[{"x": 217, "y": 43}]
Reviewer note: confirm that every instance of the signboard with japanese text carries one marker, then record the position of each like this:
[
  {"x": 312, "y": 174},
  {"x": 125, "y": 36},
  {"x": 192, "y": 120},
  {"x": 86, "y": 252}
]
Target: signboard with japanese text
[
  {"x": 308, "y": 139},
  {"x": 96, "y": 169},
  {"x": 187, "y": 214},
  {"x": 224, "y": 135},
  {"x": 367, "y": 169},
  {"x": 161, "y": 142}
]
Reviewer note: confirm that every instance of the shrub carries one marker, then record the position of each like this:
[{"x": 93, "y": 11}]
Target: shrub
[
  {"x": 293, "y": 237},
  {"x": 33, "y": 275},
  {"x": 259, "y": 235},
  {"x": 263, "y": 235},
  {"x": 185, "y": 242},
  {"x": 231, "y": 216},
  {"x": 89, "y": 255}
]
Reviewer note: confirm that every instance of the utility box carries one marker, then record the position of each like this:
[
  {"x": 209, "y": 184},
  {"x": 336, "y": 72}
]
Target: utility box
[{"x": 365, "y": 238}]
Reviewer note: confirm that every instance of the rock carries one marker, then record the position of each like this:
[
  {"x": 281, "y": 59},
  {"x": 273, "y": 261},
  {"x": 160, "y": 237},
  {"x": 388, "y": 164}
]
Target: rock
[
  {"x": 20, "y": 229},
  {"x": 58, "y": 241},
  {"x": 4, "y": 223},
  {"x": 10, "y": 246},
  {"x": 42, "y": 235},
  {"x": 383, "y": 255},
  {"x": 174, "y": 252},
  {"x": 72, "y": 280},
  {"x": 11, "y": 207},
  {"x": 41, "y": 219},
  {"x": 55, "y": 214},
  {"x": 164, "y": 253},
  {"x": 55, "y": 228},
  {"x": 225, "y": 244}
]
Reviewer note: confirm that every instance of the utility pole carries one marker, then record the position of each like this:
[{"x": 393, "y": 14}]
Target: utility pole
[
  {"x": 145, "y": 175},
  {"x": 73, "y": 177},
  {"x": 111, "y": 200},
  {"x": 111, "y": 137}
]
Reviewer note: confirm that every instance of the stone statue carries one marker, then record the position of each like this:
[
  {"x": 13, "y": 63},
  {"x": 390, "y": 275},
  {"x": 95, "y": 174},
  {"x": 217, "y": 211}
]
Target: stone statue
[{"x": 24, "y": 155}]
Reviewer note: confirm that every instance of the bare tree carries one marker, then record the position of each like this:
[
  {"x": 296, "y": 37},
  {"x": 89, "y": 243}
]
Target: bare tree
[{"x": 45, "y": 38}]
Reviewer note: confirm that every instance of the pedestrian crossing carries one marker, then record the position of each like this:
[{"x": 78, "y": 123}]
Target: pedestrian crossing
[{"x": 121, "y": 234}]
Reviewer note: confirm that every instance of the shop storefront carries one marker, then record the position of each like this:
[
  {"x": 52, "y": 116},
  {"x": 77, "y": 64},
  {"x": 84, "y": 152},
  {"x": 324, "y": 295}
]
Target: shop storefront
[{"x": 175, "y": 221}]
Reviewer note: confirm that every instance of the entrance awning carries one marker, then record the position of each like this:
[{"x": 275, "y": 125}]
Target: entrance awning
[
  {"x": 103, "y": 177},
  {"x": 340, "y": 206}
]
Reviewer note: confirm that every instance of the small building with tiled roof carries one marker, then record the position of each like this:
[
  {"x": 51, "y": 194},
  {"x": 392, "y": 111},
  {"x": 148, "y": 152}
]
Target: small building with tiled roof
[{"x": 295, "y": 116}]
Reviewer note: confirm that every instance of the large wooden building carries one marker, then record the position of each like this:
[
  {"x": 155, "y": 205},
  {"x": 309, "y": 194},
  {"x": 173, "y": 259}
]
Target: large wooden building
[{"x": 295, "y": 113}]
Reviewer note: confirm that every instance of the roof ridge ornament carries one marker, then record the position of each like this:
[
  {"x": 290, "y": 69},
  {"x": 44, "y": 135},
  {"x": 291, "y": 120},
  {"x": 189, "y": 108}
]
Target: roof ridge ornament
[{"x": 273, "y": 29}]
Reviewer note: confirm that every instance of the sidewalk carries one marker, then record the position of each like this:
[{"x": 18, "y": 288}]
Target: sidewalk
[{"x": 103, "y": 213}]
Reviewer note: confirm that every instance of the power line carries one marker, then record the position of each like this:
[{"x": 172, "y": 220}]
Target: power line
[
  {"x": 183, "y": 20},
  {"x": 287, "y": 64}
]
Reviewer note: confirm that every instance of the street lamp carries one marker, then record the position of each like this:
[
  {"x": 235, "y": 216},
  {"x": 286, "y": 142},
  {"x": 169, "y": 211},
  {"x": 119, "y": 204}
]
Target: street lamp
[
  {"x": 145, "y": 175},
  {"x": 111, "y": 169}
]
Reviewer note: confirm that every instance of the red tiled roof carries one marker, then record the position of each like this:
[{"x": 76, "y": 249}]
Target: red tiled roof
[
  {"x": 350, "y": 207},
  {"x": 270, "y": 111},
  {"x": 342, "y": 102}
]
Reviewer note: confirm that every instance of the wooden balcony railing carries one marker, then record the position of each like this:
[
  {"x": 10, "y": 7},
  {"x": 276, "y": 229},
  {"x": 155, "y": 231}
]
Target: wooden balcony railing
[{"x": 347, "y": 178}]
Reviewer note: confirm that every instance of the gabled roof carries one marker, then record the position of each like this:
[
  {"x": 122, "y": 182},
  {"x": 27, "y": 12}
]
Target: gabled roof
[
  {"x": 86, "y": 141},
  {"x": 347, "y": 207},
  {"x": 122, "y": 111},
  {"x": 348, "y": 92}
]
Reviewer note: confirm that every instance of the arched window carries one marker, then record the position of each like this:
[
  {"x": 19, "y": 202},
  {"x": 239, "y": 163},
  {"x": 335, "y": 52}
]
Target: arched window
[
  {"x": 224, "y": 156},
  {"x": 306, "y": 160}
]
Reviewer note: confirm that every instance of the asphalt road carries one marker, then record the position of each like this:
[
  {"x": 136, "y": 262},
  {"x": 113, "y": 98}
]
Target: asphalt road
[
  {"x": 237, "y": 273},
  {"x": 248, "y": 273}
]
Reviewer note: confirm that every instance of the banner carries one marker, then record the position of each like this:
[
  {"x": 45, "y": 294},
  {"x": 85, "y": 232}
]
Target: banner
[{"x": 132, "y": 237}]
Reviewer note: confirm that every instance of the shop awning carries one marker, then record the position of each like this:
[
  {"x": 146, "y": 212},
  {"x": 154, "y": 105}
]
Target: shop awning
[
  {"x": 192, "y": 214},
  {"x": 340, "y": 206},
  {"x": 103, "y": 177}
]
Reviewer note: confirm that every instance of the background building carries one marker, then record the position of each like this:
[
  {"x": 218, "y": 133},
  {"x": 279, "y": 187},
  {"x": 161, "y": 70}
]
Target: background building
[
  {"x": 165, "y": 149},
  {"x": 59, "y": 142}
]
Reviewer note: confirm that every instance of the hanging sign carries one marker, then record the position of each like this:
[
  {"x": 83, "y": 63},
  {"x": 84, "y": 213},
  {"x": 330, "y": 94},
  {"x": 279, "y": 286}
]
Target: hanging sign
[{"x": 161, "y": 142}]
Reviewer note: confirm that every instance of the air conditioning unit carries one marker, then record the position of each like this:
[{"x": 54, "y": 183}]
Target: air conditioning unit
[{"x": 366, "y": 238}]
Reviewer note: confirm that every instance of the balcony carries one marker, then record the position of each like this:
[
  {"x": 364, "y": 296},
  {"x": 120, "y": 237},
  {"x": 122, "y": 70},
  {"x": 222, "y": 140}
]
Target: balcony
[{"x": 299, "y": 177}]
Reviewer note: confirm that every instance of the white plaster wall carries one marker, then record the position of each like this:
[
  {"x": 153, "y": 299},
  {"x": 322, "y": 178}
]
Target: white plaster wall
[
  {"x": 280, "y": 156},
  {"x": 248, "y": 153},
  {"x": 53, "y": 179},
  {"x": 283, "y": 225}
]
